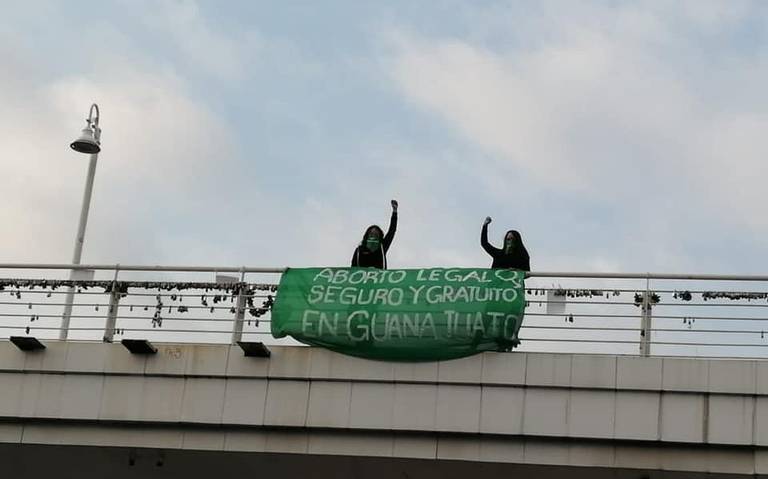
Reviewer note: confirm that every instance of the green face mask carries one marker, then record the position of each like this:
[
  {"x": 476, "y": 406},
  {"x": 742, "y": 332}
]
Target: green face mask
[{"x": 372, "y": 243}]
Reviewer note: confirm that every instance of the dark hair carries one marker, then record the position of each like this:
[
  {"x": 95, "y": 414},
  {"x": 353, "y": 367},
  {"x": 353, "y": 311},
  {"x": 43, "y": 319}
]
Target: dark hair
[
  {"x": 518, "y": 249},
  {"x": 370, "y": 229}
]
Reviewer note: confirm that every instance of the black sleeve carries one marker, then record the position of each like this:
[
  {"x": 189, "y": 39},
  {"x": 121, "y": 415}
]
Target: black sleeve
[
  {"x": 354, "y": 258},
  {"x": 390, "y": 232},
  {"x": 494, "y": 252}
]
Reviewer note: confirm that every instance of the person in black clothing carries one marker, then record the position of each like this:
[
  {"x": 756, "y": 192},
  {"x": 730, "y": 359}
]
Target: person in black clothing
[
  {"x": 512, "y": 255},
  {"x": 372, "y": 251}
]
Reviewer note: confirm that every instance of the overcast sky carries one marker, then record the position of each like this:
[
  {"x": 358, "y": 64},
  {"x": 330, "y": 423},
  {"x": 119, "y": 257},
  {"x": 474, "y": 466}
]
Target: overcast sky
[{"x": 615, "y": 136}]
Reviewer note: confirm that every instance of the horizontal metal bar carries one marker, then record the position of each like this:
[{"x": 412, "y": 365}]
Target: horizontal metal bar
[
  {"x": 655, "y": 330},
  {"x": 20, "y": 302},
  {"x": 579, "y": 303},
  {"x": 735, "y": 305},
  {"x": 622, "y": 316},
  {"x": 121, "y": 306},
  {"x": 608, "y": 341},
  {"x": 674, "y": 305},
  {"x": 610, "y": 290},
  {"x": 192, "y": 319},
  {"x": 719, "y": 345},
  {"x": 219, "y": 308},
  {"x": 163, "y": 330},
  {"x": 164, "y": 294},
  {"x": 541, "y": 315},
  {"x": 724, "y": 331},
  {"x": 660, "y": 276},
  {"x": 127, "y": 330},
  {"x": 103, "y": 317},
  {"x": 26, "y": 304},
  {"x": 561, "y": 340},
  {"x": 44, "y": 317},
  {"x": 250, "y": 269},
  {"x": 571, "y": 298},
  {"x": 42, "y": 291},
  {"x": 711, "y": 318},
  {"x": 156, "y": 268},
  {"x": 579, "y": 328},
  {"x": 584, "y": 315},
  {"x": 530, "y": 298}
]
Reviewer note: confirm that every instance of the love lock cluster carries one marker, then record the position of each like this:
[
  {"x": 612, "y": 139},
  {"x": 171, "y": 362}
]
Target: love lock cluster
[
  {"x": 733, "y": 295},
  {"x": 639, "y": 297},
  {"x": 218, "y": 293},
  {"x": 586, "y": 293},
  {"x": 684, "y": 295}
]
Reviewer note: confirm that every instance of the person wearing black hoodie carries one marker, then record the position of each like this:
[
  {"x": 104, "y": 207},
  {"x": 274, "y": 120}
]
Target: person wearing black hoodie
[
  {"x": 512, "y": 255},
  {"x": 372, "y": 250}
]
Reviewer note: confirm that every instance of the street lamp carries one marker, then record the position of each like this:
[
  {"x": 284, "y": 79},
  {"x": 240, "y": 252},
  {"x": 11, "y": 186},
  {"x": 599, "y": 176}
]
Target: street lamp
[{"x": 89, "y": 143}]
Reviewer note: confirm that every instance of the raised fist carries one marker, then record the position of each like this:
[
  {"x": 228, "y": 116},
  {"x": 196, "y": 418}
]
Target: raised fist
[
  {"x": 487, "y": 220},
  {"x": 394, "y": 205}
]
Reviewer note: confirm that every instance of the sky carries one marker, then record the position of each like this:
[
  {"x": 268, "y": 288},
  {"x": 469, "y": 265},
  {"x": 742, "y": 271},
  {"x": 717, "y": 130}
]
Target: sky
[{"x": 616, "y": 136}]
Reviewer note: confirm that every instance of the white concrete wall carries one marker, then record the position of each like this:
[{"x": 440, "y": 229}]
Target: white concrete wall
[{"x": 521, "y": 405}]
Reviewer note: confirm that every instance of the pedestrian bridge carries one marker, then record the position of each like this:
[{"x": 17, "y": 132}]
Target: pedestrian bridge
[
  {"x": 618, "y": 376},
  {"x": 194, "y": 410}
]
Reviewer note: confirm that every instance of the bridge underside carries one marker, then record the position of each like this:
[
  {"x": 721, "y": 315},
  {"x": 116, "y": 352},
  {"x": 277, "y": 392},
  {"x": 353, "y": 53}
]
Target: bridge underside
[
  {"x": 83, "y": 462},
  {"x": 87, "y": 462}
]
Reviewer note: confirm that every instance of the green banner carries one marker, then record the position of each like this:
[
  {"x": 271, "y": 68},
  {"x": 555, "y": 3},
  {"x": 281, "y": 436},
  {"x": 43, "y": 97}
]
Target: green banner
[{"x": 401, "y": 314}]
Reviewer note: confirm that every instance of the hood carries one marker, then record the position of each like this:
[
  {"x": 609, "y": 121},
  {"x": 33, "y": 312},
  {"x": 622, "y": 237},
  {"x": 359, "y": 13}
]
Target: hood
[
  {"x": 516, "y": 235},
  {"x": 368, "y": 229},
  {"x": 519, "y": 249}
]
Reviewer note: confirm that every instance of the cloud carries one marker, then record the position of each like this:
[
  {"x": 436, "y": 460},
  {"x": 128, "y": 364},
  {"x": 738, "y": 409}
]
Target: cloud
[
  {"x": 606, "y": 131},
  {"x": 611, "y": 103},
  {"x": 536, "y": 111},
  {"x": 159, "y": 145},
  {"x": 224, "y": 55}
]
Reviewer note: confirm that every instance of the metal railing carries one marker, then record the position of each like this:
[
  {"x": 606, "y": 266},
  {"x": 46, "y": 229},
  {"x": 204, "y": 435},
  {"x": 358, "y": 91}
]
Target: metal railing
[{"x": 603, "y": 313}]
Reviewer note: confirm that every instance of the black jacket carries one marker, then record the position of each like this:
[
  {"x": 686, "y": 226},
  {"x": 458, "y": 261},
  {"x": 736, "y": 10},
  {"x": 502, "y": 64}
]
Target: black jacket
[
  {"x": 517, "y": 259},
  {"x": 366, "y": 258}
]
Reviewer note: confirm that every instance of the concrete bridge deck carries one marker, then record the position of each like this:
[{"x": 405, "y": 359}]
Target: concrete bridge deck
[{"x": 194, "y": 410}]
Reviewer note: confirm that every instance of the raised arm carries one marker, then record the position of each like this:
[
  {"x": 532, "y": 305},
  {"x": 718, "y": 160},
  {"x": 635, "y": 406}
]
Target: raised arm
[
  {"x": 392, "y": 228},
  {"x": 484, "y": 240}
]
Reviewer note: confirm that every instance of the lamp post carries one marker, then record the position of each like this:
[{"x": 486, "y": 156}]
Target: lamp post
[{"x": 89, "y": 143}]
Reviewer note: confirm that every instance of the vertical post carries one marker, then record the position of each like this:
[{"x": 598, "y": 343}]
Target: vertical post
[
  {"x": 114, "y": 304},
  {"x": 68, "y": 300},
  {"x": 85, "y": 208},
  {"x": 74, "y": 275},
  {"x": 79, "y": 240},
  {"x": 237, "y": 327},
  {"x": 646, "y": 323}
]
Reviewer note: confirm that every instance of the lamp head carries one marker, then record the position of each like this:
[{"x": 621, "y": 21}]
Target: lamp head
[{"x": 87, "y": 142}]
